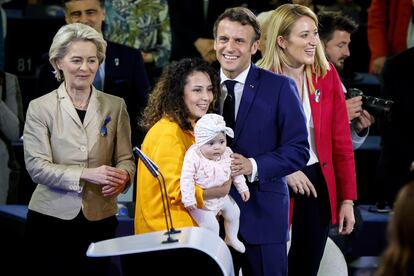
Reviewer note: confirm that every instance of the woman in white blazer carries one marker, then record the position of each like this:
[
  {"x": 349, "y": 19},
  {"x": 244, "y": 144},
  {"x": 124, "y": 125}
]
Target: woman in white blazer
[{"x": 78, "y": 150}]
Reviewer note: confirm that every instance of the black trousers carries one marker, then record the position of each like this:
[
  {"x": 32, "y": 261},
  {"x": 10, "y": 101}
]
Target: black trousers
[
  {"x": 310, "y": 226},
  {"x": 58, "y": 247}
]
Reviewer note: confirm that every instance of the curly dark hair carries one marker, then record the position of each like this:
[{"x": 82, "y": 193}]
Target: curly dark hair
[{"x": 166, "y": 99}]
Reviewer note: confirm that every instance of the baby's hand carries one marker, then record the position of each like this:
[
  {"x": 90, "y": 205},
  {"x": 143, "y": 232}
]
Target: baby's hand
[
  {"x": 245, "y": 195},
  {"x": 191, "y": 207}
]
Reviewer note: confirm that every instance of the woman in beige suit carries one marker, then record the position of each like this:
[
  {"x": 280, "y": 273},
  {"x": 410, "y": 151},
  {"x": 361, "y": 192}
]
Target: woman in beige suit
[{"x": 77, "y": 149}]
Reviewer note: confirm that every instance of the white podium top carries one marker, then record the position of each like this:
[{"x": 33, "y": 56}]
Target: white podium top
[{"x": 196, "y": 238}]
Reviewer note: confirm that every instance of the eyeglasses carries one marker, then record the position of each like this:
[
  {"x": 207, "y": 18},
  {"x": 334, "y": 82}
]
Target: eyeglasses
[{"x": 104, "y": 130}]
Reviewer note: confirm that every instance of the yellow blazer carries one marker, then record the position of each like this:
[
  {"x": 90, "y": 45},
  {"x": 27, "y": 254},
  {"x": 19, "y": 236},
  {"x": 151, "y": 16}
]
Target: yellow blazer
[
  {"x": 165, "y": 144},
  {"x": 57, "y": 146}
]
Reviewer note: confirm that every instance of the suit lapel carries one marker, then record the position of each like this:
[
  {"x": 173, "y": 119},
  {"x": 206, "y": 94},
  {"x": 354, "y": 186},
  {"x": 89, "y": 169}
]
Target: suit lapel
[
  {"x": 67, "y": 105},
  {"x": 93, "y": 108},
  {"x": 94, "y": 118},
  {"x": 249, "y": 93},
  {"x": 112, "y": 63}
]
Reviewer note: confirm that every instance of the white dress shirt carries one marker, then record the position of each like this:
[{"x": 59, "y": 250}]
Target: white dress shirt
[{"x": 238, "y": 93}]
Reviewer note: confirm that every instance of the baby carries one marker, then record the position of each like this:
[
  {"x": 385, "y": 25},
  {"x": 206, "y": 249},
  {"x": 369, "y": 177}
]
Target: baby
[{"x": 207, "y": 164}]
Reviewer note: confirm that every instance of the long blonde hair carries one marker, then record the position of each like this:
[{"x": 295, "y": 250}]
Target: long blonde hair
[{"x": 280, "y": 23}]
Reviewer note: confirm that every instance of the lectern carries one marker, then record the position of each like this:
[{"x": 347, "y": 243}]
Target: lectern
[{"x": 198, "y": 251}]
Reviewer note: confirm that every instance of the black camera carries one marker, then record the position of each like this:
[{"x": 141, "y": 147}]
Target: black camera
[{"x": 375, "y": 106}]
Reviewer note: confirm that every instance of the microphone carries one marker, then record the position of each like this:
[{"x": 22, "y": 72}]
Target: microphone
[
  {"x": 154, "y": 170},
  {"x": 147, "y": 162}
]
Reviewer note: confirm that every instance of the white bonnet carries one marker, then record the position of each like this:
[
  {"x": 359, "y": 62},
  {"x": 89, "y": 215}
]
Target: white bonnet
[{"x": 209, "y": 126}]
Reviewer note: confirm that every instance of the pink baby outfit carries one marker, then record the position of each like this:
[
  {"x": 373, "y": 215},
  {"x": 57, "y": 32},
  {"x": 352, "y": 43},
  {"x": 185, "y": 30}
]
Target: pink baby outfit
[
  {"x": 207, "y": 173},
  {"x": 200, "y": 171}
]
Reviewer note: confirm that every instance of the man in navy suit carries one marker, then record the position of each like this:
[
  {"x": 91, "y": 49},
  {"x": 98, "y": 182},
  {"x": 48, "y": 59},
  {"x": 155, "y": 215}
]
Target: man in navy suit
[
  {"x": 270, "y": 142},
  {"x": 123, "y": 72}
]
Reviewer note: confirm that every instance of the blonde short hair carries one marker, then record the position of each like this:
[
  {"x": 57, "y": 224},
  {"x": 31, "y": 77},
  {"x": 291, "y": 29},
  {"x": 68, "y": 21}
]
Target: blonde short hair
[
  {"x": 263, "y": 17},
  {"x": 70, "y": 33}
]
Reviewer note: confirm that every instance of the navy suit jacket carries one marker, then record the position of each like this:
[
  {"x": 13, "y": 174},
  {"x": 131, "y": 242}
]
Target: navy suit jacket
[
  {"x": 125, "y": 77},
  {"x": 270, "y": 127}
]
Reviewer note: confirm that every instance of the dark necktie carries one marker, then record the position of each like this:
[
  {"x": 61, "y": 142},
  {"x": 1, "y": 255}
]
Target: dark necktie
[{"x": 229, "y": 104}]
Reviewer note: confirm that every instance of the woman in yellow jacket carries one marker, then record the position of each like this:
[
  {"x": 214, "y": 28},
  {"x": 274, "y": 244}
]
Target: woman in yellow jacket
[{"x": 186, "y": 91}]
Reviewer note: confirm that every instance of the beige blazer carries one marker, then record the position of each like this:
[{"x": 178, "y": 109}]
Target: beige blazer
[{"x": 57, "y": 146}]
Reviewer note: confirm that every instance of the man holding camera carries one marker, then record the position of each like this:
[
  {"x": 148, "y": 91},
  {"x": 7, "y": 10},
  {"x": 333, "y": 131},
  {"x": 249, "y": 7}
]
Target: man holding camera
[{"x": 335, "y": 33}]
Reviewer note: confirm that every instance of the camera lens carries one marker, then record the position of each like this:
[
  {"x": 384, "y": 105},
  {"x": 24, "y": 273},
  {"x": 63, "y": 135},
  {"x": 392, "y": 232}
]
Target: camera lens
[{"x": 374, "y": 106}]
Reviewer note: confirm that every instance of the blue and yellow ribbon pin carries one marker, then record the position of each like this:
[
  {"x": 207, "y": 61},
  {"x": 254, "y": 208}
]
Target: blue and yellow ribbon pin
[
  {"x": 317, "y": 96},
  {"x": 104, "y": 130}
]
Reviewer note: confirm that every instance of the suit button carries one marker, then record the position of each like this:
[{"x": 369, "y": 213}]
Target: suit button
[
  {"x": 324, "y": 164},
  {"x": 83, "y": 148}
]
